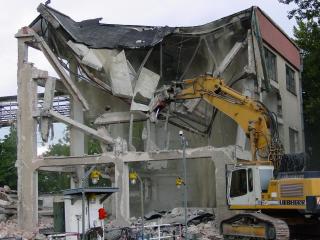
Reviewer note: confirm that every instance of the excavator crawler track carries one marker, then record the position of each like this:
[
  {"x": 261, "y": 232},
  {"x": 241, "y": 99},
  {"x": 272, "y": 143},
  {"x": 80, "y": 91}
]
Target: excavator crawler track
[{"x": 254, "y": 226}]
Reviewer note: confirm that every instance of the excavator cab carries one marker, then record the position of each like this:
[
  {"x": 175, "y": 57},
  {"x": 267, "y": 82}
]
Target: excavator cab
[{"x": 246, "y": 183}]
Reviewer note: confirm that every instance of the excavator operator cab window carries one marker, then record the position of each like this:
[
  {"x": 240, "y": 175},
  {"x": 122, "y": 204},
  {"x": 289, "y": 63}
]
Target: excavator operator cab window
[
  {"x": 250, "y": 179},
  {"x": 238, "y": 183}
]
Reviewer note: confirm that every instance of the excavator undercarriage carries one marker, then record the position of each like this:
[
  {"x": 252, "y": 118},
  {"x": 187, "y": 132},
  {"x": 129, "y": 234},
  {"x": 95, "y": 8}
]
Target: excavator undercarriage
[{"x": 255, "y": 225}]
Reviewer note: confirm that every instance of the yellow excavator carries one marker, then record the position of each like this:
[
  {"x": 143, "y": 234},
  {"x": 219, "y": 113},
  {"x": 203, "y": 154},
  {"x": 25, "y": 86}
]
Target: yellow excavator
[{"x": 275, "y": 202}]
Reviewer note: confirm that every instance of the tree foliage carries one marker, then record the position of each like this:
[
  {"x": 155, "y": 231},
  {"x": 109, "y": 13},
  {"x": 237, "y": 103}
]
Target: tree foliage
[
  {"x": 47, "y": 181},
  {"x": 306, "y": 10},
  {"x": 8, "y": 157},
  {"x": 308, "y": 39},
  {"x": 55, "y": 181}
]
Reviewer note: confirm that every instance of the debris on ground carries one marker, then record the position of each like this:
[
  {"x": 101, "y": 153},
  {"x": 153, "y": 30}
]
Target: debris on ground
[
  {"x": 9, "y": 229},
  {"x": 8, "y": 202},
  {"x": 201, "y": 225},
  {"x": 8, "y": 218}
]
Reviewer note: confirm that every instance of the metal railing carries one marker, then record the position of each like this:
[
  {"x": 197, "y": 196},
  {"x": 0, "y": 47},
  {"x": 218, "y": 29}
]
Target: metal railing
[{"x": 9, "y": 107}]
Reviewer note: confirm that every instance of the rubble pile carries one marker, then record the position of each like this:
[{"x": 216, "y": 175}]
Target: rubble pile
[
  {"x": 8, "y": 222},
  {"x": 204, "y": 231},
  {"x": 201, "y": 225},
  {"x": 8, "y": 203},
  {"x": 9, "y": 229}
]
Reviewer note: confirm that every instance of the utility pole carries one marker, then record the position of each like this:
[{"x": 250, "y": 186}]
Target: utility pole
[
  {"x": 184, "y": 143},
  {"x": 133, "y": 176}
]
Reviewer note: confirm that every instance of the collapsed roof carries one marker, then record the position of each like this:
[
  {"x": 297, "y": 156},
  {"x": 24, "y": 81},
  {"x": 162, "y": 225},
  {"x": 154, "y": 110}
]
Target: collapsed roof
[{"x": 132, "y": 62}]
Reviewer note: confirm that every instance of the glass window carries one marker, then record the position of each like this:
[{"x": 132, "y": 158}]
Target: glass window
[
  {"x": 290, "y": 81},
  {"x": 238, "y": 183},
  {"x": 265, "y": 177},
  {"x": 279, "y": 105},
  {"x": 294, "y": 140},
  {"x": 250, "y": 179},
  {"x": 271, "y": 64}
]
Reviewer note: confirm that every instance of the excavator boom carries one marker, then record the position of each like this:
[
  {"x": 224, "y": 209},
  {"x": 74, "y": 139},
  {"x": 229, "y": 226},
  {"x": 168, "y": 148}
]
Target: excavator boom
[{"x": 250, "y": 115}]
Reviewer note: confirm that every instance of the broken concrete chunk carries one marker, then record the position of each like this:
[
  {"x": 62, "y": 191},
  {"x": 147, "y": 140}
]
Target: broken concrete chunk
[
  {"x": 121, "y": 82},
  {"x": 87, "y": 55},
  {"x": 119, "y": 117},
  {"x": 132, "y": 74},
  {"x": 92, "y": 60},
  {"x": 80, "y": 49},
  {"x": 145, "y": 87}
]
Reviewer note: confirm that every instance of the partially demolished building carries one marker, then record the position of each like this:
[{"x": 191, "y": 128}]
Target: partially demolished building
[{"x": 111, "y": 72}]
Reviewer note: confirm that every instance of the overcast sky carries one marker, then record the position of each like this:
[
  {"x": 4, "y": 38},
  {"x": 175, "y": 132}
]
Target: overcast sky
[{"x": 16, "y": 14}]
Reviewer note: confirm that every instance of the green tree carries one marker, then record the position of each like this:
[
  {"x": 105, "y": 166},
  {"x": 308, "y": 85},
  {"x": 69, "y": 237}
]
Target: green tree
[
  {"x": 55, "y": 181},
  {"x": 8, "y": 157},
  {"x": 305, "y": 10},
  {"x": 307, "y": 37},
  {"x": 47, "y": 181}
]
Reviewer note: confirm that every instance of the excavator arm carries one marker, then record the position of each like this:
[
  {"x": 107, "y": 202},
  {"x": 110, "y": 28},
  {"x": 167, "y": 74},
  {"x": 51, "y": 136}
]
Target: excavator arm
[{"x": 252, "y": 116}]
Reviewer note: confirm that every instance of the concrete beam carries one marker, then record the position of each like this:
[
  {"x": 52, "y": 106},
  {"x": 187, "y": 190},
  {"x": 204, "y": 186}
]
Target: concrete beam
[
  {"x": 42, "y": 9},
  {"x": 129, "y": 157},
  {"x": 58, "y": 169},
  {"x": 87, "y": 130},
  {"x": 119, "y": 117},
  {"x": 122, "y": 198},
  {"x": 77, "y": 138},
  {"x": 73, "y": 90},
  {"x": 59, "y": 85},
  {"x": 99, "y": 82},
  {"x": 47, "y": 104},
  {"x": 202, "y": 152},
  {"x": 72, "y": 160},
  {"x": 228, "y": 58}
]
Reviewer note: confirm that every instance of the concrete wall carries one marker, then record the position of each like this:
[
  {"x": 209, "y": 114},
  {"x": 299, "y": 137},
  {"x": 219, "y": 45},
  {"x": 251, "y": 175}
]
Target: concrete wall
[
  {"x": 291, "y": 104},
  {"x": 206, "y": 183}
]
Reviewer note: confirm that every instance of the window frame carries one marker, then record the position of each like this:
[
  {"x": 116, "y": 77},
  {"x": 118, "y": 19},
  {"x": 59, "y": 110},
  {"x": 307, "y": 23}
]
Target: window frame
[
  {"x": 293, "y": 136},
  {"x": 268, "y": 54},
  {"x": 289, "y": 84},
  {"x": 238, "y": 192},
  {"x": 250, "y": 180}
]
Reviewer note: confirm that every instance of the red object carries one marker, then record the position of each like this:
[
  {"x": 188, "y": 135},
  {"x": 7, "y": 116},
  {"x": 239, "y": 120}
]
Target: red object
[
  {"x": 102, "y": 214},
  {"x": 273, "y": 36}
]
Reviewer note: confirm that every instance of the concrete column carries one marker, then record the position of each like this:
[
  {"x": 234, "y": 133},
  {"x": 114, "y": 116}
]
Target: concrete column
[
  {"x": 27, "y": 141},
  {"x": 77, "y": 138},
  {"x": 241, "y": 138},
  {"x": 122, "y": 197}
]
